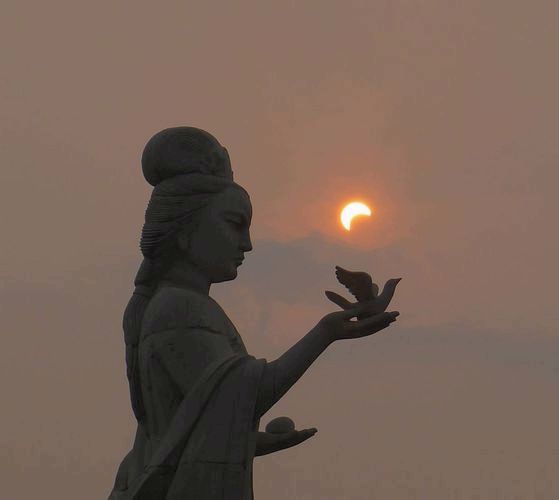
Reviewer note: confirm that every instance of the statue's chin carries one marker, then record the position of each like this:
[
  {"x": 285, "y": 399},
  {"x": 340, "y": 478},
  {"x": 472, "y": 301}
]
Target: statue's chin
[{"x": 229, "y": 276}]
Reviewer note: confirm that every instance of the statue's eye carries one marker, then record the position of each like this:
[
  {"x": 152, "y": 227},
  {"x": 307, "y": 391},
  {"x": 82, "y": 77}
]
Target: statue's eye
[{"x": 236, "y": 223}]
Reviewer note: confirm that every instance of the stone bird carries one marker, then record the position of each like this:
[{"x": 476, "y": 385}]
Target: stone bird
[{"x": 361, "y": 286}]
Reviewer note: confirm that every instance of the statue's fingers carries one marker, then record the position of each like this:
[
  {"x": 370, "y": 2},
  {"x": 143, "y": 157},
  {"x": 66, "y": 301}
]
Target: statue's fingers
[
  {"x": 309, "y": 432},
  {"x": 339, "y": 300},
  {"x": 305, "y": 434}
]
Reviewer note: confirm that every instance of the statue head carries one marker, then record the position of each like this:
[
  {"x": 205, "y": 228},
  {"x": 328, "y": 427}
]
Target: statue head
[{"x": 197, "y": 216}]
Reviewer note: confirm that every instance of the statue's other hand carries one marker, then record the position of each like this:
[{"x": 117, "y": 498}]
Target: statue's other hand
[{"x": 267, "y": 442}]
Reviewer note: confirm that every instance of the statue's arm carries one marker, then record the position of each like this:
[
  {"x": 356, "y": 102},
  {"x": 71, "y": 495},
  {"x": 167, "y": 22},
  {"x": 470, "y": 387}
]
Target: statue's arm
[
  {"x": 280, "y": 375},
  {"x": 186, "y": 352}
]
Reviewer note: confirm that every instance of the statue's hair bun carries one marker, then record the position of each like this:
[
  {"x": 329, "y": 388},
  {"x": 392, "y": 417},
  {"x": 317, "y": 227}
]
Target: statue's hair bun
[{"x": 184, "y": 150}]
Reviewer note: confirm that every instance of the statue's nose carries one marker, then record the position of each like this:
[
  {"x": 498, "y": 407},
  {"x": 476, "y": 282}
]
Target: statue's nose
[{"x": 246, "y": 244}]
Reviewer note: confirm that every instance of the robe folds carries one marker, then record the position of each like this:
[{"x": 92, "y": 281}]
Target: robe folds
[{"x": 200, "y": 387}]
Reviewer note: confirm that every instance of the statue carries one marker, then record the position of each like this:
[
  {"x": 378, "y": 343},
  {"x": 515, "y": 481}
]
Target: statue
[{"x": 196, "y": 393}]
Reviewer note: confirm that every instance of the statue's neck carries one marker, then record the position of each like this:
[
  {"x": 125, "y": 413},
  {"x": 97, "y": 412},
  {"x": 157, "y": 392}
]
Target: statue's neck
[{"x": 185, "y": 275}]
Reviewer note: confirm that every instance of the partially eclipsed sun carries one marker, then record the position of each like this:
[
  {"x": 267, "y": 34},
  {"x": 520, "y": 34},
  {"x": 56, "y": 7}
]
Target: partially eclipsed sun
[{"x": 351, "y": 210}]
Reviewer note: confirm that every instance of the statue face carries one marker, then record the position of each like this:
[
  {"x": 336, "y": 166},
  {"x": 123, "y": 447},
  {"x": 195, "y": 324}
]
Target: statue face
[{"x": 217, "y": 246}]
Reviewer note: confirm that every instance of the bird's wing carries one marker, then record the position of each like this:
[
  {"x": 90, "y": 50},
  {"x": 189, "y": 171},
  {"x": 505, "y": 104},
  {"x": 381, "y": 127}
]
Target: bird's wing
[{"x": 358, "y": 283}]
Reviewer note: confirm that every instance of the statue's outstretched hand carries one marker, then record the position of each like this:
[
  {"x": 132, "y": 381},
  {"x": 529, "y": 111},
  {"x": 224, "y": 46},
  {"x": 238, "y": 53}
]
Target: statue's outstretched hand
[
  {"x": 338, "y": 325},
  {"x": 284, "y": 436},
  {"x": 369, "y": 309}
]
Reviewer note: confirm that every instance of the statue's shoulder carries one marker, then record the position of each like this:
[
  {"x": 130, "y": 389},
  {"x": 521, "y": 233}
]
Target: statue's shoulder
[{"x": 173, "y": 307}]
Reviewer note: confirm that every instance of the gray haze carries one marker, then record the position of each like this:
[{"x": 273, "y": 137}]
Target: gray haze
[{"x": 441, "y": 115}]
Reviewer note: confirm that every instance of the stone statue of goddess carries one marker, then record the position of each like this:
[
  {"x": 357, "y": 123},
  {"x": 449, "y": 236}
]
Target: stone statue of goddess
[{"x": 196, "y": 393}]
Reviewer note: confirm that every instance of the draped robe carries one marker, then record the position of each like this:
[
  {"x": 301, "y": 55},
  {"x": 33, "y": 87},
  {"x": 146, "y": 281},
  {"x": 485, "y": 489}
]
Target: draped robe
[{"x": 199, "y": 386}]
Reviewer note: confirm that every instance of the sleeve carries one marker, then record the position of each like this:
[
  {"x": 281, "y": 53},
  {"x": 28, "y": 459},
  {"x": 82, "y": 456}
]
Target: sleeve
[{"x": 184, "y": 353}]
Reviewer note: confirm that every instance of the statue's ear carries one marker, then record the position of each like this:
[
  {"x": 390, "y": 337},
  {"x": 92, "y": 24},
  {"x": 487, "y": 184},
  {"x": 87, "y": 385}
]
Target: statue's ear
[{"x": 183, "y": 238}]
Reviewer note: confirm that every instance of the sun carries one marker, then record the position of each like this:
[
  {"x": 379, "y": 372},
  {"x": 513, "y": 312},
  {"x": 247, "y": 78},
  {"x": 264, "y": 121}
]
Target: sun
[{"x": 351, "y": 210}]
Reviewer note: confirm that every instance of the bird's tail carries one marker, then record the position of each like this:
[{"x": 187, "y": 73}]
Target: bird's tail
[{"x": 339, "y": 300}]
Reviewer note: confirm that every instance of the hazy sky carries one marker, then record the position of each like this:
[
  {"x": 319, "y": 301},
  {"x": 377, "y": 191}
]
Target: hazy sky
[{"x": 441, "y": 115}]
